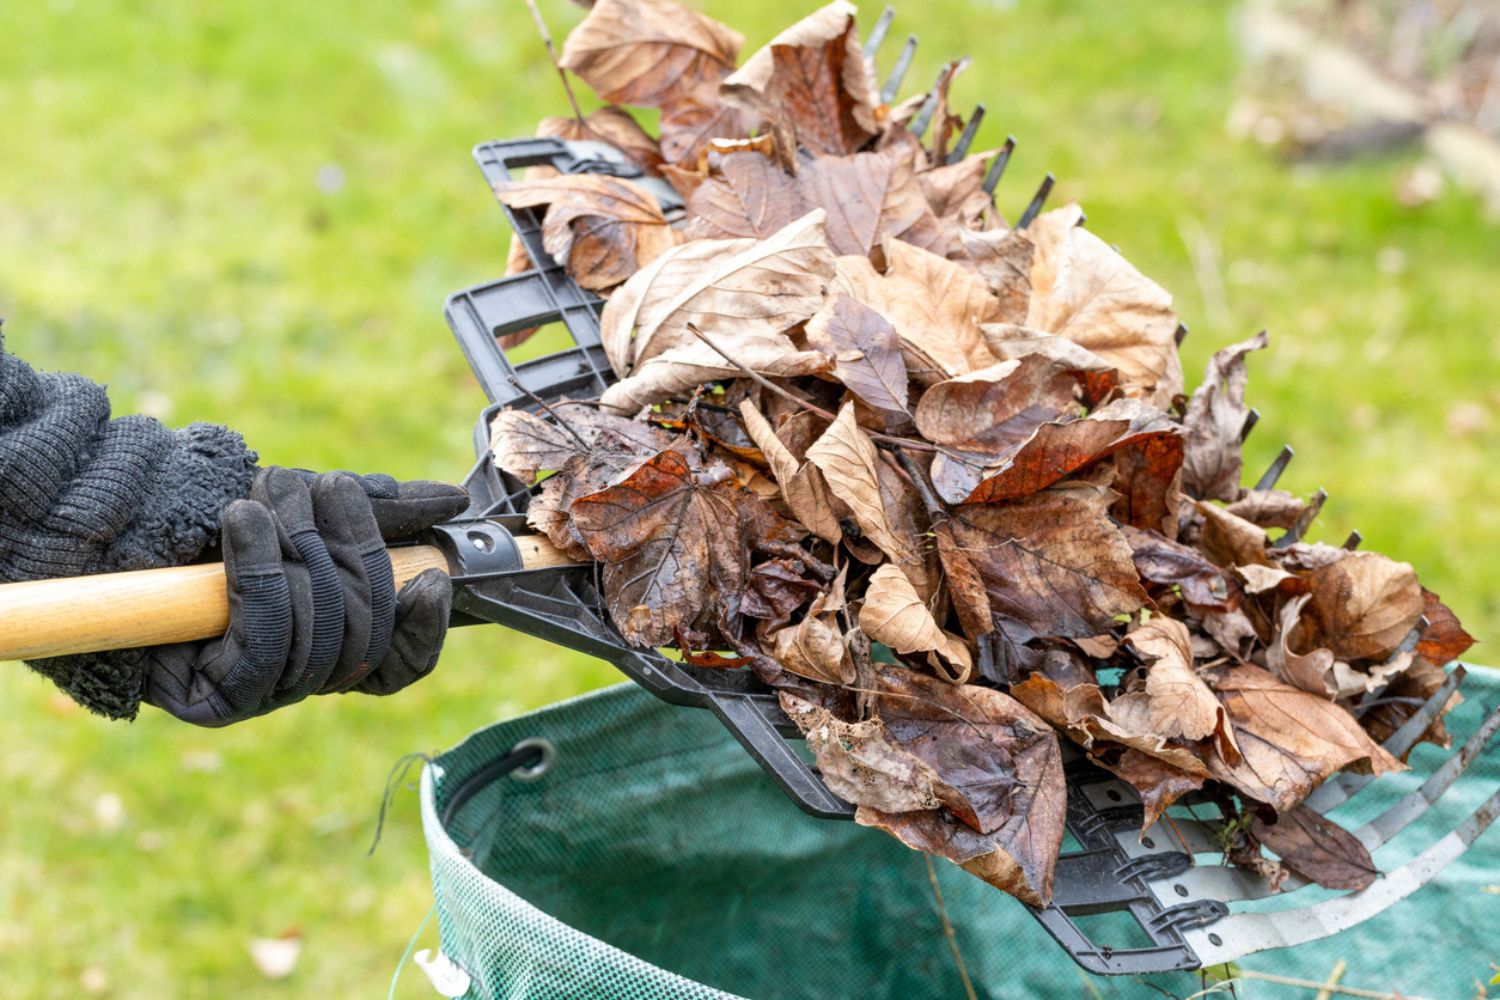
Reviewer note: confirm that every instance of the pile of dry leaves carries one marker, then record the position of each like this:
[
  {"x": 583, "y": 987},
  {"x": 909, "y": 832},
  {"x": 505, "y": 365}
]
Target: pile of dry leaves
[{"x": 934, "y": 478}]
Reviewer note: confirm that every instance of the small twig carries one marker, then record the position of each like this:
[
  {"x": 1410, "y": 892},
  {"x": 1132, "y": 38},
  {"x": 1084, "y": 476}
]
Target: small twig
[
  {"x": 547, "y": 408},
  {"x": 562, "y": 74},
  {"x": 1308, "y": 984},
  {"x": 935, "y": 509},
  {"x": 765, "y": 383},
  {"x": 1326, "y": 993},
  {"x": 958, "y": 958}
]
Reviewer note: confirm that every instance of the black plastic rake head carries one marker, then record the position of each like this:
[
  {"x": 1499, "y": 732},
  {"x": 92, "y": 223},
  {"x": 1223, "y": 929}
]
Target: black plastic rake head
[{"x": 1173, "y": 904}]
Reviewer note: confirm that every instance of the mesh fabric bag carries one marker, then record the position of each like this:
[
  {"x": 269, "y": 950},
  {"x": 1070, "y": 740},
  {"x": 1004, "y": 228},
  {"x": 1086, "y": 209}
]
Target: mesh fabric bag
[{"x": 654, "y": 859}]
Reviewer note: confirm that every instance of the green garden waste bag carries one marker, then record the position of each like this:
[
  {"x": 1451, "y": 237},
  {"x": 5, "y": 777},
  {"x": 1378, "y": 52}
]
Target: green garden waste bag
[{"x": 653, "y": 858}]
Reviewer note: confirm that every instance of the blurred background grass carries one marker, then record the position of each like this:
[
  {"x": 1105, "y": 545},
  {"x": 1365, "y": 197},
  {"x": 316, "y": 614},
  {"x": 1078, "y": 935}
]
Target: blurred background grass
[{"x": 250, "y": 213}]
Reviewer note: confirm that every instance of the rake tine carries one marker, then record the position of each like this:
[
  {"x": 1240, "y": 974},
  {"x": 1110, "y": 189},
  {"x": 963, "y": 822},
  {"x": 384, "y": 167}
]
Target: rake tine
[
  {"x": 1395, "y": 819},
  {"x": 1037, "y": 201},
  {"x": 967, "y": 139},
  {"x": 1228, "y": 884},
  {"x": 997, "y": 165},
  {"x": 878, "y": 33},
  {"x": 924, "y": 114},
  {"x": 1251, "y": 419},
  {"x": 1353, "y": 541},
  {"x": 1283, "y": 458},
  {"x": 1304, "y": 521},
  {"x": 1179, "y": 337},
  {"x": 1241, "y": 934},
  {"x": 1338, "y": 790},
  {"x": 898, "y": 71}
]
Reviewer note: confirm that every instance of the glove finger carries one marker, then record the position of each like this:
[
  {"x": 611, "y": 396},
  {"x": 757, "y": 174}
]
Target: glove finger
[
  {"x": 422, "y": 610},
  {"x": 234, "y": 676},
  {"x": 320, "y": 634},
  {"x": 353, "y": 539},
  {"x": 416, "y": 506}
]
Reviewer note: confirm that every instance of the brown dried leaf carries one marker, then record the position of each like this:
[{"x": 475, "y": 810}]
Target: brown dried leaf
[
  {"x": 1444, "y": 639},
  {"x": 846, "y": 457},
  {"x": 671, "y": 538},
  {"x": 1169, "y": 564},
  {"x": 869, "y": 196},
  {"x": 1062, "y": 447},
  {"x": 1362, "y": 606},
  {"x": 865, "y": 349},
  {"x": 859, "y": 763},
  {"x": 1003, "y": 259},
  {"x": 651, "y": 52},
  {"x": 1160, "y": 770},
  {"x": 894, "y": 614},
  {"x": 1180, "y": 703},
  {"x": 744, "y": 196},
  {"x": 690, "y": 127},
  {"x": 997, "y": 408},
  {"x": 965, "y": 585},
  {"x": 802, "y": 486},
  {"x": 1312, "y": 671},
  {"x": 1052, "y": 562},
  {"x": 1268, "y": 508},
  {"x": 1086, "y": 291},
  {"x": 1291, "y": 741},
  {"x": 604, "y": 228},
  {"x": 682, "y": 369},
  {"x": 727, "y": 289},
  {"x": 612, "y": 125},
  {"x": 957, "y": 195},
  {"x": 815, "y": 648},
  {"x": 1229, "y": 540},
  {"x": 1215, "y": 422},
  {"x": 1001, "y": 772},
  {"x": 1097, "y": 377},
  {"x": 1318, "y": 849},
  {"x": 813, "y": 78},
  {"x": 934, "y": 304}
]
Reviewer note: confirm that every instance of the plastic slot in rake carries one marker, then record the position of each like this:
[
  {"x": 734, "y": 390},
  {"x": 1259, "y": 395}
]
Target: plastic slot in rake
[{"x": 1169, "y": 885}]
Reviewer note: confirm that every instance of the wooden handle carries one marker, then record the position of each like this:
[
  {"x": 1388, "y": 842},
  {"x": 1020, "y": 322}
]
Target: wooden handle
[{"x": 90, "y": 614}]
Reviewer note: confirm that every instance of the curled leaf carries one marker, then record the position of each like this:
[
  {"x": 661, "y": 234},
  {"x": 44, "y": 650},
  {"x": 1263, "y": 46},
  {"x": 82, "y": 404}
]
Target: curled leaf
[{"x": 894, "y": 614}]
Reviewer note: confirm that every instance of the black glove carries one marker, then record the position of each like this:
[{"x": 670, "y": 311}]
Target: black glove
[
  {"x": 313, "y": 606},
  {"x": 313, "y": 609}
]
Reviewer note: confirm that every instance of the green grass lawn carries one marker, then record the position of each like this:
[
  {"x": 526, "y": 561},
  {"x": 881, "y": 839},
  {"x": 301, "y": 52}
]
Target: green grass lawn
[{"x": 163, "y": 228}]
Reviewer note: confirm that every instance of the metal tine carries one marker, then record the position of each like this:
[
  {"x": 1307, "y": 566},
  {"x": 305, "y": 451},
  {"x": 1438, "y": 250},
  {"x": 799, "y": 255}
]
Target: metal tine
[
  {"x": 1395, "y": 819},
  {"x": 1179, "y": 337},
  {"x": 961, "y": 149},
  {"x": 1251, "y": 419},
  {"x": 1037, "y": 201},
  {"x": 997, "y": 165},
  {"x": 1338, "y": 790},
  {"x": 1304, "y": 521},
  {"x": 924, "y": 114},
  {"x": 1354, "y": 540},
  {"x": 878, "y": 33},
  {"x": 1214, "y": 883},
  {"x": 898, "y": 72},
  {"x": 1283, "y": 458},
  {"x": 1241, "y": 934}
]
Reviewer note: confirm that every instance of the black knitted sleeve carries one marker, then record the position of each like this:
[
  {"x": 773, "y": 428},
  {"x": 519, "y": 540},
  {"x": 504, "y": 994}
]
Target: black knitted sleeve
[{"x": 82, "y": 493}]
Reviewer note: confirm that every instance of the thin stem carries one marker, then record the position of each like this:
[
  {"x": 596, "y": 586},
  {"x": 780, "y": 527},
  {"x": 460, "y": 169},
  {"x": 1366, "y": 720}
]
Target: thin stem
[
  {"x": 935, "y": 508},
  {"x": 958, "y": 958},
  {"x": 547, "y": 408},
  {"x": 765, "y": 383},
  {"x": 562, "y": 74}
]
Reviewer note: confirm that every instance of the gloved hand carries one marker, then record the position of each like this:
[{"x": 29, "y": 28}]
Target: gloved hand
[
  {"x": 313, "y": 605},
  {"x": 313, "y": 609}
]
